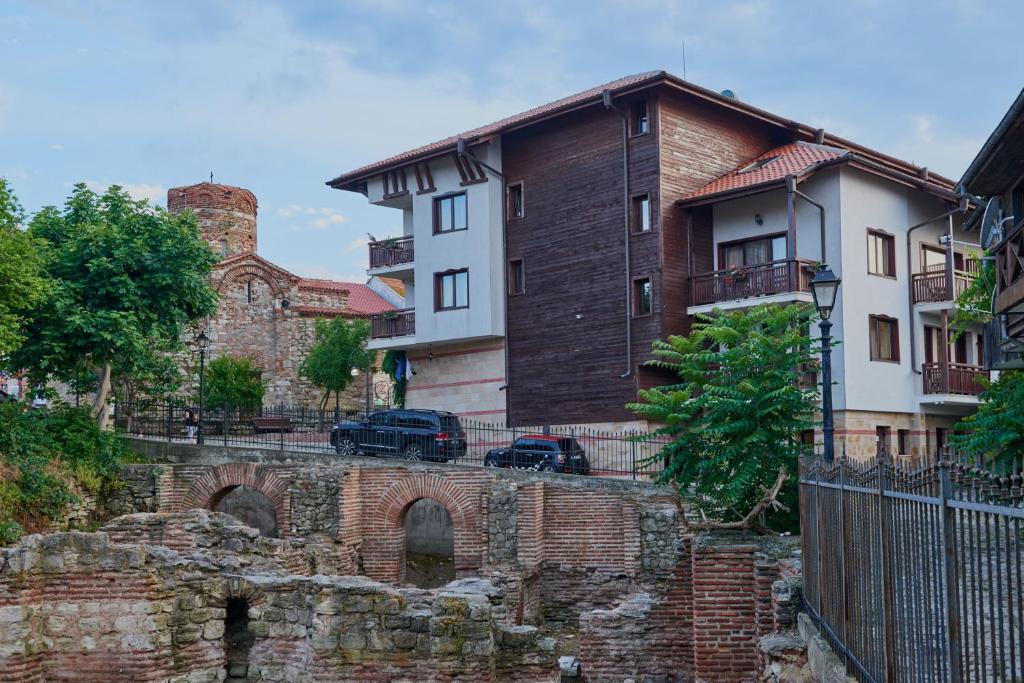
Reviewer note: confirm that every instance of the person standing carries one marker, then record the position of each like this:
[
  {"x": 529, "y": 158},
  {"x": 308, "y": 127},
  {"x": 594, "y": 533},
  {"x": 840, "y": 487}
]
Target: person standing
[{"x": 191, "y": 422}]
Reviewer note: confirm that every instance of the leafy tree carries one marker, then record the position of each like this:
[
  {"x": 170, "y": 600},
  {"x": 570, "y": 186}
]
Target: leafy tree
[
  {"x": 390, "y": 366},
  {"x": 23, "y": 283},
  {"x": 974, "y": 304},
  {"x": 339, "y": 347},
  {"x": 735, "y": 417},
  {"x": 233, "y": 383},
  {"x": 996, "y": 432},
  {"x": 129, "y": 278}
]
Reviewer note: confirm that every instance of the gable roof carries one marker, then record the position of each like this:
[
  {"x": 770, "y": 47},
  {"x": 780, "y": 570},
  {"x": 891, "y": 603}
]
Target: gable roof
[
  {"x": 998, "y": 163},
  {"x": 355, "y": 180}
]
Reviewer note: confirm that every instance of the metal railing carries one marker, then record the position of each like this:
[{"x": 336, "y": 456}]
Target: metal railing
[
  {"x": 401, "y": 323},
  {"x": 916, "y": 574},
  {"x": 619, "y": 454},
  {"x": 952, "y": 378},
  {"x": 778, "y": 277},
  {"x": 393, "y": 252}
]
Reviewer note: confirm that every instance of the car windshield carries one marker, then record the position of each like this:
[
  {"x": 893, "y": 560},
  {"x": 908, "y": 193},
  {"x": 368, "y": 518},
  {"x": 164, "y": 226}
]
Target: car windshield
[
  {"x": 570, "y": 446},
  {"x": 451, "y": 424}
]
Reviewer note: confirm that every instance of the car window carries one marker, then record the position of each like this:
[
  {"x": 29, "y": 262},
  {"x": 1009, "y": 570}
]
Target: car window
[
  {"x": 569, "y": 445},
  {"x": 450, "y": 424},
  {"x": 379, "y": 419}
]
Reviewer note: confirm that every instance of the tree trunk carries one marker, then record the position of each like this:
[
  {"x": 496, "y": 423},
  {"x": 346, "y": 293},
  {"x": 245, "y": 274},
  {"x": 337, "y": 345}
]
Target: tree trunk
[{"x": 100, "y": 409}]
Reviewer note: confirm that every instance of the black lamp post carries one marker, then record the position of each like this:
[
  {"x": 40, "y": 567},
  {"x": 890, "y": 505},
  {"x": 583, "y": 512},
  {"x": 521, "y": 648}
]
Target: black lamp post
[
  {"x": 203, "y": 342},
  {"x": 824, "y": 287}
]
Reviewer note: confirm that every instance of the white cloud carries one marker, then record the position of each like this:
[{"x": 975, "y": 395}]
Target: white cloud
[
  {"x": 154, "y": 194},
  {"x": 57, "y": 147},
  {"x": 358, "y": 244},
  {"x": 323, "y": 217}
]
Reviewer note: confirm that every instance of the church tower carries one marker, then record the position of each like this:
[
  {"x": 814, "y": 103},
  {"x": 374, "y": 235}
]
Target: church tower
[{"x": 226, "y": 214}]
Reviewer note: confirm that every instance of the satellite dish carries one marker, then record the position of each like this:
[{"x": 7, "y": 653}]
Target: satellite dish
[{"x": 991, "y": 224}]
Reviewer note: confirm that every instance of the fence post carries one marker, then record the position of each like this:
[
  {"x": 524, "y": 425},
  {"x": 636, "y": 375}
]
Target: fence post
[
  {"x": 888, "y": 636},
  {"x": 952, "y": 592},
  {"x": 226, "y": 424},
  {"x": 280, "y": 431},
  {"x": 817, "y": 534},
  {"x": 632, "y": 452},
  {"x": 842, "y": 552},
  {"x": 170, "y": 415}
]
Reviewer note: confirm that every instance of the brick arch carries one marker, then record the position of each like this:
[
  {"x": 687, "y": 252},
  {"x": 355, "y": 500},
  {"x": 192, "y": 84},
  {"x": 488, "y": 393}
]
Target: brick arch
[
  {"x": 211, "y": 487},
  {"x": 252, "y": 270},
  {"x": 389, "y": 522}
]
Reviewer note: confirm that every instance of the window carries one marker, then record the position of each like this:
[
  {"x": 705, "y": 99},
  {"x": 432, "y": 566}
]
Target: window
[
  {"x": 641, "y": 214},
  {"x": 450, "y": 213},
  {"x": 515, "y": 201},
  {"x": 516, "y": 276},
  {"x": 639, "y": 121},
  {"x": 885, "y": 338},
  {"x": 979, "y": 351},
  {"x": 752, "y": 252},
  {"x": 248, "y": 291},
  {"x": 223, "y": 247},
  {"x": 932, "y": 258},
  {"x": 451, "y": 290},
  {"x": 642, "y": 296},
  {"x": 807, "y": 437},
  {"x": 940, "y": 439},
  {"x": 903, "y": 441},
  {"x": 883, "y": 436},
  {"x": 881, "y": 253}
]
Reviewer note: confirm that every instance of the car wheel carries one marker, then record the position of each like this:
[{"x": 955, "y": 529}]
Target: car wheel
[
  {"x": 413, "y": 452},
  {"x": 346, "y": 446},
  {"x": 546, "y": 467}
]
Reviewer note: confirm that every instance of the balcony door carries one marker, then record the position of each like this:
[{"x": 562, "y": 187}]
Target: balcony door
[
  {"x": 956, "y": 352},
  {"x": 752, "y": 252}
]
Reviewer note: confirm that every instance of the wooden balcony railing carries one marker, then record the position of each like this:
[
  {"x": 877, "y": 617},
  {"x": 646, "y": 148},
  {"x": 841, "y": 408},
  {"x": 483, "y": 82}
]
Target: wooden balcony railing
[
  {"x": 394, "y": 252},
  {"x": 934, "y": 283},
  {"x": 393, "y": 324},
  {"x": 962, "y": 379},
  {"x": 778, "y": 277},
  {"x": 1009, "y": 256}
]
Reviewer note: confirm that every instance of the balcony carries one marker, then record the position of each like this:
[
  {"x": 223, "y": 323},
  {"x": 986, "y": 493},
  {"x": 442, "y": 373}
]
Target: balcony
[
  {"x": 938, "y": 284},
  {"x": 1009, "y": 299},
  {"x": 957, "y": 379},
  {"x": 393, "y": 324},
  {"x": 776, "y": 279},
  {"x": 392, "y": 255}
]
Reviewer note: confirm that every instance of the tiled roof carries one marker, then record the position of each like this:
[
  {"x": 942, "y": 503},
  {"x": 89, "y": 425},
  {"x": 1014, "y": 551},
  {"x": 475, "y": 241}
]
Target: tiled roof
[
  {"x": 795, "y": 159},
  {"x": 394, "y": 283},
  {"x": 498, "y": 126},
  {"x": 361, "y": 299}
]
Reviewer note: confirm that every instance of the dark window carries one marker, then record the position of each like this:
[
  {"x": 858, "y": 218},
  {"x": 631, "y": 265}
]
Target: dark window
[
  {"x": 640, "y": 121},
  {"x": 940, "y": 439},
  {"x": 883, "y": 435},
  {"x": 248, "y": 291},
  {"x": 451, "y": 290},
  {"x": 979, "y": 353},
  {"x": 642, "y": 213},
  {"x": 516, "y": 276},
  {"x": 752, "y": 252},
  {"x": 380, "y": 419},
  {"x": 642, "y": 296},
  {"x": 885, "y": 338},
  {"x": 881, "y": 253},
  {"x": 807, "y": 437},
  {"x": 450, "y": 213},
  {"x": 903, "y": 441},
  {"x": 960, "y": 350},
  {"x": 516, "y": 209}
]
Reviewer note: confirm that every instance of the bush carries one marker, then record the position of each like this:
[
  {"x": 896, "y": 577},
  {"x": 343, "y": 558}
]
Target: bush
[{"x": 233, "y": 383}]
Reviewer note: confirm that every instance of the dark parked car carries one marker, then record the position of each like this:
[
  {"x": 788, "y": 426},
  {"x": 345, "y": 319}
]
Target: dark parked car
[
  {"x": 409, "y": 434},
  {"x": 542, "y": 453}
]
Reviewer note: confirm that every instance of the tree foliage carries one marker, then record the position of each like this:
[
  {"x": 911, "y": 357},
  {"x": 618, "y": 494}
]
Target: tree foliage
[
  {"x": 128, "y": 276},
  {"x": 996, "y": 432},
  {"x": 233, "y": 383},
  {"x": 23, "y": 282},
  {"x": 974, "y": 304},
  {"x": 339, "y": 347},
  {"x": 736, "y": 415},
  {"x": 399, "y": 382}
]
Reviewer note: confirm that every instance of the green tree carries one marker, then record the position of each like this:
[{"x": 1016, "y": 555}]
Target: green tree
[
  {"x": 735, "y": 416},
  {"x": 23, "y": 282},
  {"x": 339, "y": 348},
  {"x": 129, "y": 278},
  {"x": 996, "y": 432},
  {"x": 974, "y": 304},
  {"x": 233, "y": 383}
]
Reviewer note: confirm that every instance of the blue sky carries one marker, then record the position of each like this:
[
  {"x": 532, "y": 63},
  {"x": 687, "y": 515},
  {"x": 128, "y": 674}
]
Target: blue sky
[{"x": 279, "y": 97}]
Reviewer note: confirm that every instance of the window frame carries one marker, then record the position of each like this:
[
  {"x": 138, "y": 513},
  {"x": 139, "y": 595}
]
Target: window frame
[
  {"x": 637, "y": 313},
  {"x": 874, "y": 318},
  {"x": 510, "y": 213},
  {"x": 512, "y": 291},
  {"x": 636, "y": 213},
  {"x": 635, "y": 119},
  {"x": 890, "y": 264},
  {"x": 756, "y": 238},
  {"x": 439, "y": 290},
  {"x": 436, "y": 212}
]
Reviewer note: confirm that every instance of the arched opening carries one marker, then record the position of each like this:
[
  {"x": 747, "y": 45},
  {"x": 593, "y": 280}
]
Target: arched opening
[
  {"x": 238, "y": 640},
  {"x": 251, "y": 507},
  {"x": 429, "y": 544}
]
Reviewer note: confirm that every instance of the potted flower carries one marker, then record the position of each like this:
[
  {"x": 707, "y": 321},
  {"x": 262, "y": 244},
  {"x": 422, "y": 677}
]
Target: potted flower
[{"x": 734, "y": 274}]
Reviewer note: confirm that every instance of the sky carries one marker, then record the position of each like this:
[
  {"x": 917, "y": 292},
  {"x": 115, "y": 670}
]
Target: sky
[{"x": 279, "y": 97}]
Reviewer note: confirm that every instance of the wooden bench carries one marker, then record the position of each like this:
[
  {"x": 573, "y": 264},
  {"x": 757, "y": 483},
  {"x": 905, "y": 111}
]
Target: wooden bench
[{"x": 262, "y": 425}]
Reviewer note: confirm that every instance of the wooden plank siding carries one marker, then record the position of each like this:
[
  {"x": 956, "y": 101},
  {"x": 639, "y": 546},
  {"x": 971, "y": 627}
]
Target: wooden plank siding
[{"x": 566, "y": 334}]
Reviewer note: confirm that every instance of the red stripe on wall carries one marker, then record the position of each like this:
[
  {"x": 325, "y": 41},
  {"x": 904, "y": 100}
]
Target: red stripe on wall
[
  {"x": 482, "y": 412},
  {"x": 456, "y": 384},
  {"x": 460, "y": 353}
]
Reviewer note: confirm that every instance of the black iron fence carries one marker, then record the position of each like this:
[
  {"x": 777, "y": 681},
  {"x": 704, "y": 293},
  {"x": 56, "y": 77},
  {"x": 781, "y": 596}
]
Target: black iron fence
[
  {"x": 571, "y": 450},
  {"x": 916, "y": 574}
]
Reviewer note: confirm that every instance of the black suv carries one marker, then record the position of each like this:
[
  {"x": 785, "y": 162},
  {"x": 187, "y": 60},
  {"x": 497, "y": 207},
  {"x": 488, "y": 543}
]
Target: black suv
[
  {"x": 542, "y": 453},
  {"x": 409, "y": 434}
]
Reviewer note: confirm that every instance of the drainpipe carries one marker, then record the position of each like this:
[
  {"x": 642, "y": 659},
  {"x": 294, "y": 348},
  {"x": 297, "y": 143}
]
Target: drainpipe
[
  {"x": 910, "y": 275},
  {"x": 791, "y": 188},
  {"x": 606, "y": 98}
]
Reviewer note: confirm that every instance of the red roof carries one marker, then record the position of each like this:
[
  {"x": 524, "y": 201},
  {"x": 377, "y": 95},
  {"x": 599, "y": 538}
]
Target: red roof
[
  {"x": 796, "y": 158},
  {"x": 361, "y": 299}
]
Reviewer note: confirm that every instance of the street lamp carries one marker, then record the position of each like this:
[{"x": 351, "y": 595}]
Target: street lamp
[
  {"x": 203, "y": 342},
  {"x": 824, "y": 288}
]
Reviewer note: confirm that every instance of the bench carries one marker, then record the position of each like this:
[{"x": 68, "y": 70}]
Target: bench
[{"x": 263, "y": 425}]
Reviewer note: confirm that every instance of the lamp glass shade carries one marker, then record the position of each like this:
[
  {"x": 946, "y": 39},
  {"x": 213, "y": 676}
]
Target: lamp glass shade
[
  {"x": 824, "y": 288},
  {"x": 203, "y": 341}
]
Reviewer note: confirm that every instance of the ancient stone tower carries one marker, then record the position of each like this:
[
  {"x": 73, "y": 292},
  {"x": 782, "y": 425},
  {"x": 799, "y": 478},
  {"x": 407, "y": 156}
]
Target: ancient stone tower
[{"x": 227, "y": 215}]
